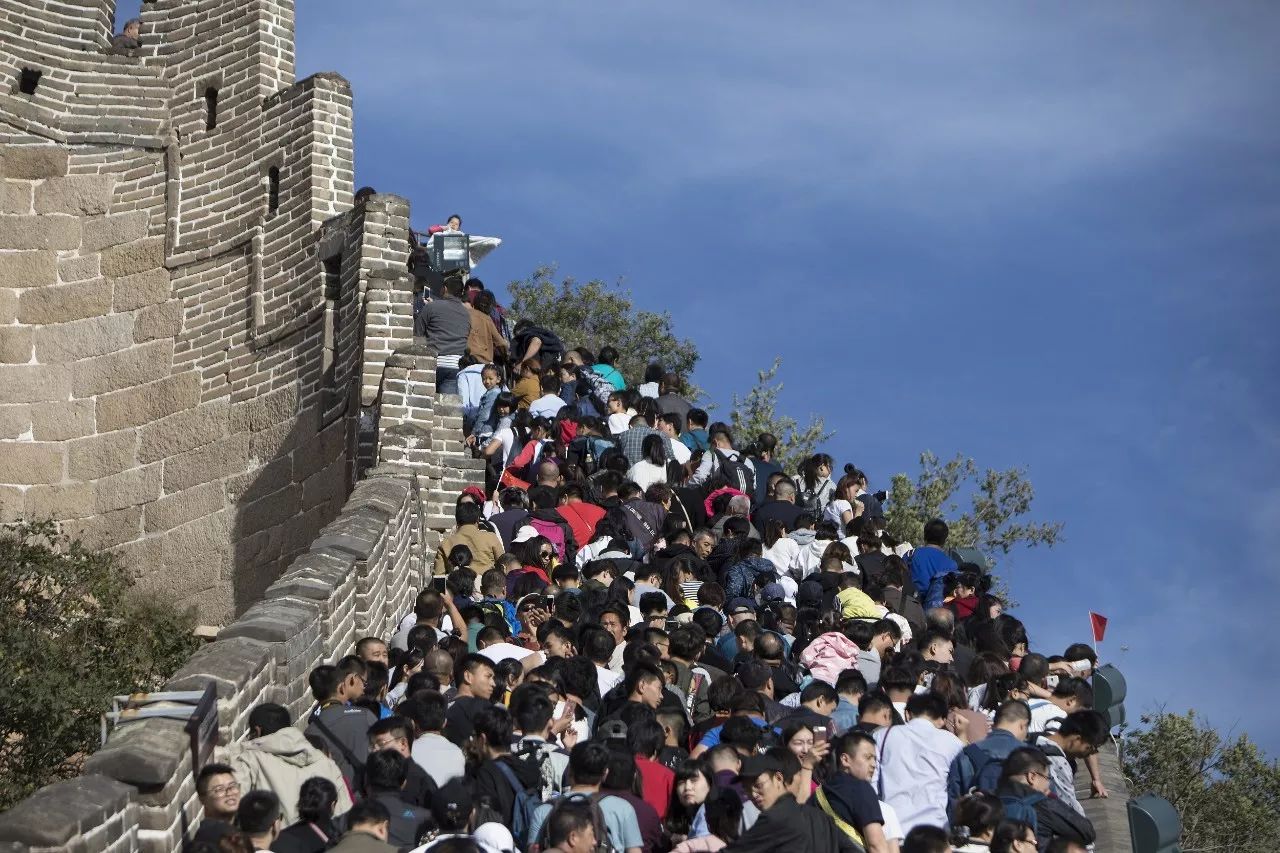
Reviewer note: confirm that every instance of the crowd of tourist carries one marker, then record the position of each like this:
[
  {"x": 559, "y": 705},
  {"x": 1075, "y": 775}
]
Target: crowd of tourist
[{"x": 643, "y": 636}]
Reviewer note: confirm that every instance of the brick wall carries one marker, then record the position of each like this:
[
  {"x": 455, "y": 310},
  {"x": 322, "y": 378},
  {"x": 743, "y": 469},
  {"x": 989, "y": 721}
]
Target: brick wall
[{"x": 179, "y": 376}]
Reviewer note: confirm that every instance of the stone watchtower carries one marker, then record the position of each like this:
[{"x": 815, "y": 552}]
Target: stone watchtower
[{"x": 183, "y": 290}]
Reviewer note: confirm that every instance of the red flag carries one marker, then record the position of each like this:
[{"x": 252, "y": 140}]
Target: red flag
[{"x": 1099, "y": 625}]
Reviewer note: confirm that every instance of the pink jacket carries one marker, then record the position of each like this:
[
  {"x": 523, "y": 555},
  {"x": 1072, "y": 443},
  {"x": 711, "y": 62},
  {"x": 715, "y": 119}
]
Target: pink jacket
[{"x": 829, "y": 655}]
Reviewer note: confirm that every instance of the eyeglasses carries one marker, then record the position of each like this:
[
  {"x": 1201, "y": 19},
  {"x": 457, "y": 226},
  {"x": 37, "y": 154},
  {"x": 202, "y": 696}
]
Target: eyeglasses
[
  {"x": 546, "y": 555},
  {"x": 222, "y": 790}
]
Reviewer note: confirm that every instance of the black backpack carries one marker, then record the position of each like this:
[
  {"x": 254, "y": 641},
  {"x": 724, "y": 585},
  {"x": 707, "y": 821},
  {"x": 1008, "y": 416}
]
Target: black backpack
[{"x": 735, "y": 474}]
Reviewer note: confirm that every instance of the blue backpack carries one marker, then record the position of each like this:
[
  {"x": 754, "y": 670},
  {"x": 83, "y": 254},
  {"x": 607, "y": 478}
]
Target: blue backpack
[
  {"x": 526, "y": 803},
  {"x": 1022, "y": 808}
]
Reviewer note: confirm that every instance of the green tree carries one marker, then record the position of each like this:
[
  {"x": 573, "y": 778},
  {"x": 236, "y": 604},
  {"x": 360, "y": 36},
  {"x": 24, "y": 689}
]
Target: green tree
[
  {"x": 1226, "y": 792},
  {"x": 995, "y": 521},
  {"x": 757, "y": 413},
  {"x": 596, "y": 314},
  {"x": 72, "y": 634}
]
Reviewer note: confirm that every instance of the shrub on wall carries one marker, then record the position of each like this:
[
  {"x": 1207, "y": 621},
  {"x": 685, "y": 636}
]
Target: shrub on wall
[{"x": 73, "y": 632}]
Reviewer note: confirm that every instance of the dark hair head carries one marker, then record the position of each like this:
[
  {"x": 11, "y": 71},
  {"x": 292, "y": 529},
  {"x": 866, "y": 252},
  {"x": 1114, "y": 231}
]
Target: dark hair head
[
  {"x": 1007, "y": 833},
  {"x": 1090, "y": 726},
  {"x": 466, "y": 513},
  {"x": 532, "y": 708},
  {"x": 588, "y": 762},
  {"x": 268, "y": 718},
  {"x": 385, "y": 770},
  {"x": 258, "y": 812},
  {"x": 929, "y": 705},
  {"x": 926, "y": 839},
  {"x": 367, "y": 812},
  {"x": 317, "y": 798},
  {"x": 980, "y": 811},
  {"x": 935, "y": 532},
  {"x": 495, "y": 726},
  {"x": 1022, "y": 760},
  {"x": 569, "y": 816},
  {"x": 646, "y": 737}
]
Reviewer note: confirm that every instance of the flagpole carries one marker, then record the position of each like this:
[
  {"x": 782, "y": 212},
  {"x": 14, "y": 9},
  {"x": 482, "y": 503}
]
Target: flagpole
[{"x": 1093, "y": 634}]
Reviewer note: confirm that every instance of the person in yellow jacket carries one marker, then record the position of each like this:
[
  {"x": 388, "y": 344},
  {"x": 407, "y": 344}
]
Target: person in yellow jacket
[{"x": 485, "y": 545}]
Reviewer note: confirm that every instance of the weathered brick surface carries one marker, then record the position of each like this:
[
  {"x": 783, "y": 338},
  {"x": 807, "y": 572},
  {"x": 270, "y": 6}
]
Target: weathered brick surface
[
  {"x": 28, "y": 269},
  {"x": 75, "y": 194}
]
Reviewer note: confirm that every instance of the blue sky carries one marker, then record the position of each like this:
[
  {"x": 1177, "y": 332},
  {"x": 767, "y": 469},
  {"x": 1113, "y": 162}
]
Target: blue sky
[{"x": 1039, "y": 234}]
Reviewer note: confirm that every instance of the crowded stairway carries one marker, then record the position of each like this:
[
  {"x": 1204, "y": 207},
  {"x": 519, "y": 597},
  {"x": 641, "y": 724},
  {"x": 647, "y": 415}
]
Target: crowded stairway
[{"x": 645, "y": 634}]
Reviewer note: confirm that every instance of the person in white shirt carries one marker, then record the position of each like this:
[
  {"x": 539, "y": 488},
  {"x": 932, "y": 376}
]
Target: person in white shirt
[
  {"x": 1070, "y": 694},
  {"x": 914, "y": 761},
  {"x": 431, "y": 750},
  {"x": 550, "y": 403},
  {"x": 669, "y": 425},
  {"x": 620, "y": 414},
  {"x": 599, "y": 647},
  {"x": 844, "y": 506},
  {"x": 652, "y": 467}
]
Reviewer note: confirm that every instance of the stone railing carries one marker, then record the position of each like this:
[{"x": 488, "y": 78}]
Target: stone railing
[{"x": 359, "y": 578}]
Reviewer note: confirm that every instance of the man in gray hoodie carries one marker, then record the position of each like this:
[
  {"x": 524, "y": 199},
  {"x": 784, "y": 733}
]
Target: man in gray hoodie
[{"x": 277, "y": 757}]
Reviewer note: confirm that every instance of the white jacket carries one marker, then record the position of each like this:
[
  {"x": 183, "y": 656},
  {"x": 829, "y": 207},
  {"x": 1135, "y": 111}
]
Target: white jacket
[{"x": 280, "y": 763}]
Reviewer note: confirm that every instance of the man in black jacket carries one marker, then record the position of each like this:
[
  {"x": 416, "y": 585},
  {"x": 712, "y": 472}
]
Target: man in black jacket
[
  {"x": 1024, "y": 791},
  {"x": 784, "y": 824}
]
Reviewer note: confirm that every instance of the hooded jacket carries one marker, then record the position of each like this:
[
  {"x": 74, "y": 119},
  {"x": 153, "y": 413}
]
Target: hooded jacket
[
  {"x": 829, "y": 655},
  {"x": 739, "y": 581},
  {"x": 280, "y": 762}
]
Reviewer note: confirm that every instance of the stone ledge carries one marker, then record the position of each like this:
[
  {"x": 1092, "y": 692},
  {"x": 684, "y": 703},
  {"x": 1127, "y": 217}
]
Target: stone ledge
[
  {"x": 59, "y": 813},
  {"x": 145, "y": 753}
]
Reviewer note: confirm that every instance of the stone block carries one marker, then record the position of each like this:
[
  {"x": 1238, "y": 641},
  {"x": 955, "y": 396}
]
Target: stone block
[
  {"x": 39, "y": 232},
  {"x": 131, "y": 258},
  {"x": 130, "y": 488},
  {"x": 229, "y": 663},
  {"x": 16, "y": 196},
  {"x": 260, "y": 482},
  {"x": 65, "y": 302},
  {"x": 15, "y": 420},
  {"x": 63, "y": 500},
  {"x": 114, "y": 230},
  {"x": 97, "y": 456},
  {"x": 158, "y": 321},
  {"x": 79, "y": 268},
  {"x": 84, "y": 338},
  {"x": 8, "y": 306},
  {"x": 150, "y": 402},
  {"x": 183, "y": 431},
  {"x": 16, "y": 344},
  {"x": 177, "y": 509},
  {"x": 34, "y": 161},
  {"x": 80, "y": 195},
  {"x": 204, "y": 465},
  {"x": 62, "y": 420},
  {"x": 60, "y": 814},
  {"x": 268, "y": 410},
  {"x": 12, "y": 504},
  {"x": 141, "y": 289},
  {"x": 28, "y": 269},
  {"x": 107, "y": 530},
  {"x": 127, "y": 368},
  {"x": 30, "y": 383},
  {"x": 30, "y": 462},
  {"x": 145, "y": 753}
]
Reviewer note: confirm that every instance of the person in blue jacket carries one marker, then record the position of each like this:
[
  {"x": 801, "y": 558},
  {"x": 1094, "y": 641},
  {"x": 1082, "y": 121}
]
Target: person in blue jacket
[{"x": 930, "y": 563}]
